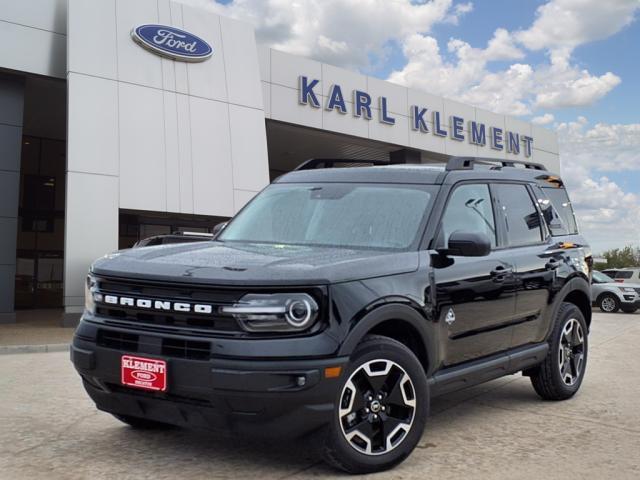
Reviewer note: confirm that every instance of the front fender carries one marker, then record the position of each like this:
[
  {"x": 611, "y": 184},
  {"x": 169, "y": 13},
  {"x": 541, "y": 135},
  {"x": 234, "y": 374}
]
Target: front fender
[{"x": 400, "y": 313}]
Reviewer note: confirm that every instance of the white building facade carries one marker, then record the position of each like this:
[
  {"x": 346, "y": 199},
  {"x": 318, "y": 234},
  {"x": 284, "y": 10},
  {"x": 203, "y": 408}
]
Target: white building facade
[{"x": 105, "y": 139}]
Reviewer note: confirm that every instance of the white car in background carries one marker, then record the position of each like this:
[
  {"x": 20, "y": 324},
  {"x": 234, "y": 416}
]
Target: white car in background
[
  {"x": 611, "y": 296},
  {"x": 624, "y": 275}
]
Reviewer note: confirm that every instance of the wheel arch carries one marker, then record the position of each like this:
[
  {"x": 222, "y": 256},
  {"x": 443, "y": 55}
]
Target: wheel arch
[
  {"x": 400, "y": 322},
  {"x": 578, "y": 292}
]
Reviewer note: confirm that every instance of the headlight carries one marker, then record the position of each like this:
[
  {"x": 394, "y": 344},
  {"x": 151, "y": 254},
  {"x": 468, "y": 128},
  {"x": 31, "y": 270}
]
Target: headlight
[
  {"x": 90, "y": 294},
  {"x": 627, "y": 289},
  {"x": 277, "y": 312}
]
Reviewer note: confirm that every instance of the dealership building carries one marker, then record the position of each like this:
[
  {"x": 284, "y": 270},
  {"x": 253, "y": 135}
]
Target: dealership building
[{"x": 121, "y": 119}]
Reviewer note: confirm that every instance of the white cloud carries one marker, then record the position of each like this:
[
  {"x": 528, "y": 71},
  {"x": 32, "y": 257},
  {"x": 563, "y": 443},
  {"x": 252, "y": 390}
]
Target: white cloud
[
  {"x": 565, "y": 24},
  {"x": 521, "y": 88},
  {"x": 566, "y": 86},
  {"x": 467, "y": 78},
  {"x": 545, "y": 119},
  {"x": 608, "y": 214},
  {"x": 347, "y": 33},
  {"x": 603, "y": 147}
]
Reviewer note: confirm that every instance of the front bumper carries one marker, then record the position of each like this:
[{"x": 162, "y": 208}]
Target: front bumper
[
  {"x": 258, "y": 397},
  {"x": 630, "y": 300}
]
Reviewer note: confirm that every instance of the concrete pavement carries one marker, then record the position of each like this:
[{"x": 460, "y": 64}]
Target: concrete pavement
[{"x": 50, "y": 429}]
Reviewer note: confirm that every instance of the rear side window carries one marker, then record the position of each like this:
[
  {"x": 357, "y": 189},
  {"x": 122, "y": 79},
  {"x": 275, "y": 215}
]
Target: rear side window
[
  {"x": 624, "y": 274},
  {"x": 563, "y": 209},
  {"x": 521, "y": 217}
]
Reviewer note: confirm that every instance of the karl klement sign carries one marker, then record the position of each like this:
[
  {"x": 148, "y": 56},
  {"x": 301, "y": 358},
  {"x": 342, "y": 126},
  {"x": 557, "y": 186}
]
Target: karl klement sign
[{"x": 478, "y": 133}]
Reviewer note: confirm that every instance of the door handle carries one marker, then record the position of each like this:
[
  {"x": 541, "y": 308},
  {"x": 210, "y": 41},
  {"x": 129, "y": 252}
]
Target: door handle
[
  {"x": 499, "y": 273},
  {"x": 552, "y": 264}
]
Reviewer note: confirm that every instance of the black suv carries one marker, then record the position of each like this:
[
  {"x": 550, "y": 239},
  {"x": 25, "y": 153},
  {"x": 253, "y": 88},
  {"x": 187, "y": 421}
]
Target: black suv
[{"x": 342, "y": 300}]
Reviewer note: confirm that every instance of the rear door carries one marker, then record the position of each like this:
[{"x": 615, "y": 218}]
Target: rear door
[
  {"x": 535, "y": 262},
  {"x": 475, "y": 295}
]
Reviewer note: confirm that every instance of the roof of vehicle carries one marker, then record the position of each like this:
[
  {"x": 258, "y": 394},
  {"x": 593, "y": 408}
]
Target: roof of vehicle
[{"x": 417, "y": 173}]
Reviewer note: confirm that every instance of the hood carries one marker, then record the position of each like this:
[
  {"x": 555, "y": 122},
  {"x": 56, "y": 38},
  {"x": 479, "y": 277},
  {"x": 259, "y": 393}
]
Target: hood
[{"x": 253, "y": 264}]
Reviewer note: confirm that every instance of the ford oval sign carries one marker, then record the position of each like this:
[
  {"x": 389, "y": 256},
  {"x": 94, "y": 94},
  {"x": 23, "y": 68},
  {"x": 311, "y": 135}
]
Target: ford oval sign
[{"x": 172, "y": 43}]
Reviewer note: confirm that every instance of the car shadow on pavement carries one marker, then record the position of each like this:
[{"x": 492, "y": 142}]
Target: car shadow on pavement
[{"x": 185, "y": 449}]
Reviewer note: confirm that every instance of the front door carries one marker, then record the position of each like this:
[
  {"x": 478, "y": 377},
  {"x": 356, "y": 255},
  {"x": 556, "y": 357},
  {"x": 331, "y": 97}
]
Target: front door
[{"x": 475, "y": 295}]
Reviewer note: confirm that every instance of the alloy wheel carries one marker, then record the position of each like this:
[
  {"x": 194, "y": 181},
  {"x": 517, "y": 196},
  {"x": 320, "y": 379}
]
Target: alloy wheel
[
  {"x": 571, "y": 352},
  {"x": 608, "y": 304},
  {"x": 377, "y": 407}
]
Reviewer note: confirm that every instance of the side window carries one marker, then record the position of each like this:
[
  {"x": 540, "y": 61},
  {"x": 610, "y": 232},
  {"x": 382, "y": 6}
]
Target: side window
[
  {"x": 624, "y": 274},
  {"x": 469, "y": 209},
  {"x": 520, "y": 214},
  {"x": 561, "y": 204}
]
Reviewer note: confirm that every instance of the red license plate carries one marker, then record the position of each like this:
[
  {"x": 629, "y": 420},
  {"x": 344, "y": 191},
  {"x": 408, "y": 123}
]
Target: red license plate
[{"x": 145, "y": 373}]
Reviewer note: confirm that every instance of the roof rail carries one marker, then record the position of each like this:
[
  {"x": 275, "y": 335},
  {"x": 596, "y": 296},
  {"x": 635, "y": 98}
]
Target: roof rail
[
  {"x": 467, "y": 163},
  {"x": 314, "y": 163}
]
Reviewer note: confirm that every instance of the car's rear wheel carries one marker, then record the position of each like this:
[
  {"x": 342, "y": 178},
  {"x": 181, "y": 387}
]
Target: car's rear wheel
[
  {"x": 560, "y": 375},
  {"x": 381, "y": 410},
  {"x": 608, "y": 303},
  {"x": 142, "y": 423}
]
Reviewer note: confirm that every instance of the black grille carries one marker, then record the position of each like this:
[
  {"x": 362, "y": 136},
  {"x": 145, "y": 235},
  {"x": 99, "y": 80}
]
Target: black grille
[
  {"x": 637, "y": 290},
  {"x": 118, "y": 340},
  {"x": 192, "y": 350},
  {"x": 215, "y": 323}
]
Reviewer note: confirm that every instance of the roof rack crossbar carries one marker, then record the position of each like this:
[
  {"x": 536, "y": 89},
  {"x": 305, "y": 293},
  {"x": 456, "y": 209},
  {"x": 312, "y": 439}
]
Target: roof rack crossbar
[
  {"x": 467, "y": 163},
  {"x": 314, "y": 163}
]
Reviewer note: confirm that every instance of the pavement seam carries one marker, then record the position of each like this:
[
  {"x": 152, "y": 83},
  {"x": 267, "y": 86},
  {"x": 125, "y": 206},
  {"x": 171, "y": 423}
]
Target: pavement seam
[
  {"x": 47, "y": 348},
  {"x": 624, "y": 332},
  {"x": 57, "y": 436},
  {"x": 563, "y": 417},
  {"x": 301, "y": 470}
]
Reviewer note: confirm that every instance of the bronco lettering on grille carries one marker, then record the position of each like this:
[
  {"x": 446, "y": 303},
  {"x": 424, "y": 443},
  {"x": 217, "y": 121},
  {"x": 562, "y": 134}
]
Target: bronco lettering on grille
[{"x": 161, "y": 305}]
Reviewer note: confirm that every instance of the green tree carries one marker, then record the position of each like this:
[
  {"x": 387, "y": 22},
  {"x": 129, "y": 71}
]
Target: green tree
[{"x": 622, "y": 257}]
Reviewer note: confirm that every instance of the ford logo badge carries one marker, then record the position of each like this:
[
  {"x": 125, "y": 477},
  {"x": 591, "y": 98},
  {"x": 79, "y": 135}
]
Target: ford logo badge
[{"x": 172, "y": 43}]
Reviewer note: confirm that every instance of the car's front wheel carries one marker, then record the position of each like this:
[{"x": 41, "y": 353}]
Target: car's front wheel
[
  {"x": 608, "y": 303},
  {"x": 381, "y": 410}
]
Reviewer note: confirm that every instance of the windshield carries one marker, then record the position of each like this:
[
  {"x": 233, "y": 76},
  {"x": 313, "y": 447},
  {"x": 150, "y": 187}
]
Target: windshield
[
  {"x": 600, "y": 277},
  {"x": 349, "y": 215}
]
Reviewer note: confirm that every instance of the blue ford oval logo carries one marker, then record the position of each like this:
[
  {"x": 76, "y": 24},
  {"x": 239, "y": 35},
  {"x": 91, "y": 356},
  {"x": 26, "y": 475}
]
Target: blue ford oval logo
[{"x": 172, "y": 42}]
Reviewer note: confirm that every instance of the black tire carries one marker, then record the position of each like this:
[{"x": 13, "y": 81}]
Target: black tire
[
  {"x": 608, "y": 303},
  {"x": 629, "y": 309},
  {"x": 548, "y": 379},
  {"x": 396, "y": 395},
  {"x": 142, "y": 423}
]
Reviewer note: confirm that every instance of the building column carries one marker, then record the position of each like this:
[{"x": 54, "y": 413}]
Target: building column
[
  {"x": 91, "y": 231},
  {"x": 11, "y": 107}
]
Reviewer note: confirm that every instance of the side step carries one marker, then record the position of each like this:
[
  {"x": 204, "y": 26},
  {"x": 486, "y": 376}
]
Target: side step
[{"x": 479, "y": 371}]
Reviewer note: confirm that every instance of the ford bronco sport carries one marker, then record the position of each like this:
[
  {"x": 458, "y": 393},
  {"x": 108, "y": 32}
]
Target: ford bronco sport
[{"x": 341, "y": 300}]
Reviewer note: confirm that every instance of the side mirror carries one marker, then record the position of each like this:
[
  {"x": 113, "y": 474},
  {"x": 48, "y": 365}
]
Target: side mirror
[
  {"x": 467, "y": 244},
  {"x": 218, "y": 228}
]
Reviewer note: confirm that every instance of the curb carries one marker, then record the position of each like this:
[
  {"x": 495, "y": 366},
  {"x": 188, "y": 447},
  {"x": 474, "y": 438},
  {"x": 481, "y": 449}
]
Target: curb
[{"x": 55, "y": 347}]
